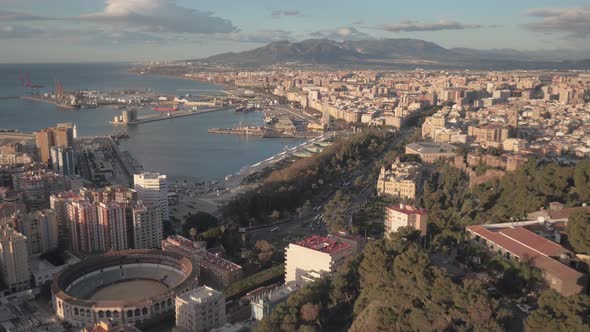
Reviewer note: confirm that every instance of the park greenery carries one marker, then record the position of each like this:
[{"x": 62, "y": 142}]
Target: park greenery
[
  {"x": 578, "y": 230},
  {"x": 265, "y": 277},
  {"x": 452, "y": 205},
  {"x": 286, "y": 189},
  {"x": 560, "y": 314},
  {"x": 394, "y": 286}
]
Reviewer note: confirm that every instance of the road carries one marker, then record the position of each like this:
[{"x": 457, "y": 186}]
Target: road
[
  {"x": 308, "y": 226},
  {"x": 299, "y": 114}
]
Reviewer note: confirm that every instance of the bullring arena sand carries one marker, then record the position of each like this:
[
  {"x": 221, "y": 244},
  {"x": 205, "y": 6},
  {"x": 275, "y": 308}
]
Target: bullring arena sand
[{"x": 129, "y": 290}]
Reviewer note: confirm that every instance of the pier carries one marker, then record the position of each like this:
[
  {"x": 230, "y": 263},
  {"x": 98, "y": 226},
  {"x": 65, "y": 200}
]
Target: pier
[
  {"x": 262, "y": 132},
  {"x": 50, "y": 101},
  {"x": 170, "y": 115}
]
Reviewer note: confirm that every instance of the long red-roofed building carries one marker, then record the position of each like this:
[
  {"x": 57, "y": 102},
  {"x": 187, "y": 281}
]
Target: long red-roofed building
[{"x": 522, "y": 245}]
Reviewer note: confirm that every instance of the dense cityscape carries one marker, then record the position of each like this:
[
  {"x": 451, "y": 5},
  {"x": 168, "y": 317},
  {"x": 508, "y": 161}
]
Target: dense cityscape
[{"x": 410, "y": 187}]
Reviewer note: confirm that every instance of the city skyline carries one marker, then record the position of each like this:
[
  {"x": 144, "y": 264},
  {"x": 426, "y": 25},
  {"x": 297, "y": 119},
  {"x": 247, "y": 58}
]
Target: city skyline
[{"x": 140, "y": 30}]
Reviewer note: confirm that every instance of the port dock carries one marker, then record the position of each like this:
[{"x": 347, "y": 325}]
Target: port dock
[
  {"x": 170, "y": 115},
  {"x": 49, "y": 101}
]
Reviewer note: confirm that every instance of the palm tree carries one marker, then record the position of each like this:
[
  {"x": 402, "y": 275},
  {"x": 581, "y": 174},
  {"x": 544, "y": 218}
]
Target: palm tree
[{"x": 193, "y": 233}]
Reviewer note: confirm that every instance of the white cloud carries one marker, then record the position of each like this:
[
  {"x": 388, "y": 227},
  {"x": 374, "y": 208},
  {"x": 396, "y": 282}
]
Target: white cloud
[
  {"x": 414, "y": 26},
  {"x": 573, "y": 21},
  {"x": 341, "y": 34},
  {"x": 157, "y": 16}
]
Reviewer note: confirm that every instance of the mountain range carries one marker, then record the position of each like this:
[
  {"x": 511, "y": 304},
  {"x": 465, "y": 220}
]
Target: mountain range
[{"x": 404, "y": 52}]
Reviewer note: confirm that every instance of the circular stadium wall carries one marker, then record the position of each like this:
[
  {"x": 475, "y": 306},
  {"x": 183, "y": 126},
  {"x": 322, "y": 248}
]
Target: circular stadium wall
[{"x": 128, "y": 286}]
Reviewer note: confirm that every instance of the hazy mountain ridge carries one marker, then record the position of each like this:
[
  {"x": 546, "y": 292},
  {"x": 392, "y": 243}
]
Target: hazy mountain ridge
[{"x": 386, "y": 52}]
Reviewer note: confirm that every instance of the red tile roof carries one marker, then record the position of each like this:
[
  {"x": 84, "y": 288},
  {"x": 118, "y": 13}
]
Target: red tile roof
[
  {"x": 534, "y": 241},
  {"x": 535, "y": 255},
  {"x": 322, "y": 244},
  {"x": 408, "y": 209},
  {"x": 566, "y": 212}
]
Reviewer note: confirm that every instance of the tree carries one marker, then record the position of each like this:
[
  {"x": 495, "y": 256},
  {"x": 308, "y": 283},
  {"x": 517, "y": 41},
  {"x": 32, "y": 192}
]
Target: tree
[
  {"x": 275, "y": 215},
  {"x": 345, "y": 283},
  {"x": 265, "y": 251},
  {"x": 193, "y": 233},
  {"x": 310, "y": 312},
  {"x": 244, "y": 238},
  {"x": 578, "y": 231},
  {"x": 560, "y": 314},
  {"x": 335, "y": 213},
  {"x": 582, "y": 180},
  {"x": 202, "y": 221}
]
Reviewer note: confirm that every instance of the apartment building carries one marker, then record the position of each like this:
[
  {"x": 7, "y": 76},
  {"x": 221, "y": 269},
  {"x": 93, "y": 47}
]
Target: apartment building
[
  {"x": 14, "y": 260},
  {"x": 152, "y": 189},
  {"x": 38, "y": 186},
  {"x": 214, "y": 271},
  {"x": 313, "y": 257},
  {"x": 403, "y": 215},
  {"x": 147, "y": 226},
  {"x": 200, "y": 310}
]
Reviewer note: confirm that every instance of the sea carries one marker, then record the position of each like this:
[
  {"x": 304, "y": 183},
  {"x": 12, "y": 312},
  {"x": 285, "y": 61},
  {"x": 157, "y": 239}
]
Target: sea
[{"x": 180, "y": 148}]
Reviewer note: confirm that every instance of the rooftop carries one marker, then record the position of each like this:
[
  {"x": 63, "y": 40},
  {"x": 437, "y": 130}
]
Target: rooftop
[
  {"x": 525, "y": 244},
  {"x": 431, "y": 147},
  {"x": 407, "y": 209},
  {"x": 199, "y": 295},
  {"x": 322, "y": 244}
]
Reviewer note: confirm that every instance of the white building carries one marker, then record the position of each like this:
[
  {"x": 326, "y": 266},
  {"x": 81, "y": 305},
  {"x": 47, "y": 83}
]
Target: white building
[
  {"x": 147, "y": 226},
  {"x": 313, "y": 257},
  {"x": 152, "y": 189},
  {"x": 262, "y": 305},
  {"x": 44, "y": 271},
  {"x": 200, "y": 310},
  {"x": 402, "y": 215},
  {"x": 14, "y": 260}
]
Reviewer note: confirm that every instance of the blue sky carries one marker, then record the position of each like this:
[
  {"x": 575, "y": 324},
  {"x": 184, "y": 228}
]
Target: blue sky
[{"x": 139, "y": 30}]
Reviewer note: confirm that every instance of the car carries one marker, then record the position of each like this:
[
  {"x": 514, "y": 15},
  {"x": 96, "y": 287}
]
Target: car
[{"x": 525, "y": 308}]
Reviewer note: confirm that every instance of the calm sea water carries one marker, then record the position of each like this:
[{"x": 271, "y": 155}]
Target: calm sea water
[{"x": 178, "y": 147}]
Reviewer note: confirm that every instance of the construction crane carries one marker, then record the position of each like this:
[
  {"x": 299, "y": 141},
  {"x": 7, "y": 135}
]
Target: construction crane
[
  {"x": 59, "y": 90},
  {"x": 26, "y": 83}
]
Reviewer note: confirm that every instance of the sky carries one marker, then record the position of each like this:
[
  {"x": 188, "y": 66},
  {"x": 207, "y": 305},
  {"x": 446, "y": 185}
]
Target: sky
[{"x": 153, "y": 30}]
